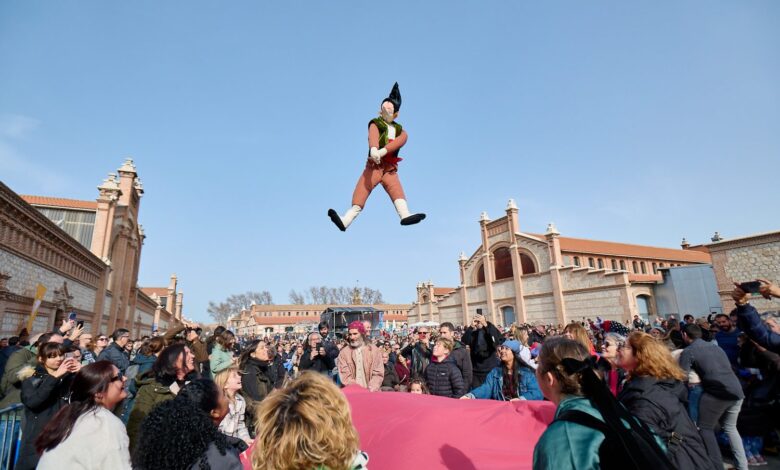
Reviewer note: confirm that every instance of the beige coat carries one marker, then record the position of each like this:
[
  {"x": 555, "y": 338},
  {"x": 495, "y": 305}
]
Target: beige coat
[{"x": 372, "y": 366}]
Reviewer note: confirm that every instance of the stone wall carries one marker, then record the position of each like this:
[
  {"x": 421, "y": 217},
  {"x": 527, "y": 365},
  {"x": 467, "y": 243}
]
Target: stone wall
[
  {"x": 25, "y": 276},
  {"x": 605, "y": 303},
  {"x": 539, "y": 250},
  {"x": 537, "y": 284},
  {"x": 746, "y": 259},
  {"x": 541, "y": 309}
]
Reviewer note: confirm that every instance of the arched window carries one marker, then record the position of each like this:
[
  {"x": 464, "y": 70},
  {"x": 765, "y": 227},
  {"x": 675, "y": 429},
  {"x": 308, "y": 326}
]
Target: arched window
[
  {"x": 635, "y": 265},
  {"x": 591, "y": 263},
  {"x": 577, "y": 261},
  {"x": 481, "y": 275},
  {"x": 643, "y": 306},
  {"x": 644, "y": 269},
  {"x": 503, "y": 261},
  {"x": 655, "y": 268},
  {"x": 662, "y": 265},
  {"x": 508, "y": 315},
  {"x": 622, "y": 265},
  {"x": 601, "y": 263},
  {"x": 614, "y": 265},
  {"x": 527, "y": 263}
]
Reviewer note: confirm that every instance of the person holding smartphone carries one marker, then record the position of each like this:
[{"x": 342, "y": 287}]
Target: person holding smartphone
[
  {"x": 747, "y": 316},
  {"x": 314, "y": 356},
  {"x": 483, "y": 339},
  {"x": 44, "y": 392}
]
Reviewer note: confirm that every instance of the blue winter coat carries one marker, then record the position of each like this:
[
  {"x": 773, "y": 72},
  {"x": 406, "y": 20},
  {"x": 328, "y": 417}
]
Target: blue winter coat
[{"x": 492, "y": 388}]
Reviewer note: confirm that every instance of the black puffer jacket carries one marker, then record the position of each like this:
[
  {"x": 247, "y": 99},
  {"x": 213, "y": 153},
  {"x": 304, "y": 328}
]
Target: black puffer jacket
[
  {"x": 42, "y": 395},
  {"x": 444, "y": 378},
  {"x": 662, "y": 405}
]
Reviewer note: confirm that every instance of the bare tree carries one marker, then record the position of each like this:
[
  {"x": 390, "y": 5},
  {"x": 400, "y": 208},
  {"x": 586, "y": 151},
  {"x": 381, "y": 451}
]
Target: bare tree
[
  {"x": 236, "y": 303},
  {"x": 296, "y": 298},
  {"x": 220, "y": 312},
  {"x": 371, "y": 296},
  {"x": 342, "y": 295}
]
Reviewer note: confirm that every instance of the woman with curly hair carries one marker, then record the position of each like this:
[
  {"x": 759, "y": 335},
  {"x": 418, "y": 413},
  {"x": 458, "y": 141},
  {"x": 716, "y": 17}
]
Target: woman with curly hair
[
  {"x": 182, "y": 434},
  {"x": 87, "y": 422},
  {"x": 656, "y": 395},
  {"x": 306, "y": 425}
]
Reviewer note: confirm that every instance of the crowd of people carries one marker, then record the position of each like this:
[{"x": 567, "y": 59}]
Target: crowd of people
[{"x": 659, "y": 394}]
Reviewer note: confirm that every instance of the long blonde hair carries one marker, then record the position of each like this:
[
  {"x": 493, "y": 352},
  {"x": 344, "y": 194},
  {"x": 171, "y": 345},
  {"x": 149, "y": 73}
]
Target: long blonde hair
[
  {"x": 221, "y": 379},
  {"x": 579, "y": 334},
  {"x": 305, "y": 425}
]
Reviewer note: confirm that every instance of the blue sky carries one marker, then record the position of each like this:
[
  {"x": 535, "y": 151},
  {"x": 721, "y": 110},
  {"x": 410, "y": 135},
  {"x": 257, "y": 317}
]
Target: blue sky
[{"x": 639, "y": 122}]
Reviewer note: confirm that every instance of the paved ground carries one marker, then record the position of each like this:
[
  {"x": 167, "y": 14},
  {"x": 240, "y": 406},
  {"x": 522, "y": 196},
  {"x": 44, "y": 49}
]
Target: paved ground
[{"x": 773, "y": 464}]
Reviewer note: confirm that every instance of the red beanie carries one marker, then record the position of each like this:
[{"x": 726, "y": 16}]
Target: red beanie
[{"x": 356, "y": 325}]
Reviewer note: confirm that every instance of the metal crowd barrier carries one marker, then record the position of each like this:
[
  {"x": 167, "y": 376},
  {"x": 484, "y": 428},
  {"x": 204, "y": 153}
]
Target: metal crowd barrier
[{"x": 10, "y": 435}]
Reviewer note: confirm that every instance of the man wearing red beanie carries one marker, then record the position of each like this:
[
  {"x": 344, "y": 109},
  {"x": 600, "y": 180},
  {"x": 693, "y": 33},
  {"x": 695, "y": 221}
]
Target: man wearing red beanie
[{"x": 361, "y": 362}]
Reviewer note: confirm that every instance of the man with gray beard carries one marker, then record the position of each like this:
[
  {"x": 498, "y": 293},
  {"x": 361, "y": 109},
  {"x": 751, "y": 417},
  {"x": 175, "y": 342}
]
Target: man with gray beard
[{"x": 361, "y": 362}]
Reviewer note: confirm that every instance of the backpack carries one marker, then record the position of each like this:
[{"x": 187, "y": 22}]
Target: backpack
[{"x": 635, "y": 448}]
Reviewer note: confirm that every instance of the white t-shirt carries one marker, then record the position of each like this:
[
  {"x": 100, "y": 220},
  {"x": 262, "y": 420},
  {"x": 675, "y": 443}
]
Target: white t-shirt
[{"x": 98, "y": 441}]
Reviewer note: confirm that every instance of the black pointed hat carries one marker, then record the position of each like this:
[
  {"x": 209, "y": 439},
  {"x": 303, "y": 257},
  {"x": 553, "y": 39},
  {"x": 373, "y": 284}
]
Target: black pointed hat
[{"x": 394, "y": 98}]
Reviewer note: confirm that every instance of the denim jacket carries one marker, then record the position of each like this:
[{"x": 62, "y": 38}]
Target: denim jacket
[{"x": 492, "y": 388}]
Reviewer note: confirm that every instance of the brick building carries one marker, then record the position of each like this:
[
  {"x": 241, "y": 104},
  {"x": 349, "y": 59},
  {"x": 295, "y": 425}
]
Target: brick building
[
  {"x": 745, "y": 259},
  {"x": 272, "y": 319},
  {"x": 86, "y": 253},
  {"x": 516, "y": 276}
]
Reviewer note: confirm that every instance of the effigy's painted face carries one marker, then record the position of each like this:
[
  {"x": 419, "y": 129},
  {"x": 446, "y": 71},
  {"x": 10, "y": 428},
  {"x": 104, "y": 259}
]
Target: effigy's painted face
[{"x": 387, "y": 111}]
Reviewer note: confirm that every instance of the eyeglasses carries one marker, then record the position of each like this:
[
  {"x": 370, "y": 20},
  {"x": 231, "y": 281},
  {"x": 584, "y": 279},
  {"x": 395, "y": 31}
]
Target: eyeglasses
[
  {"x": 117, "y": 378},
  {"x": 102, "y": 339},
  {"x": 422, "y": 332}
]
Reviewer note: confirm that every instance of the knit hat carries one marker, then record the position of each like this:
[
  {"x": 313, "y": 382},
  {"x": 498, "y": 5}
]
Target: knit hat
[
  {"x": 356, "y": 325},
  {"x": 513, "y": 345}
]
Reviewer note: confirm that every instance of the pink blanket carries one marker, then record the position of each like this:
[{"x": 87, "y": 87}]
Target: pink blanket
[{"x": 400, "y": 430}]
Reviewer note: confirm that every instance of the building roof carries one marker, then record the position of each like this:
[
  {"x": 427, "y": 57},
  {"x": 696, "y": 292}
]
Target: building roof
[
  {"x": 726, "y": 241},
  {"x": 437, "y": 291},
  {"x": 59, "y": 202},
  {"x": 580, "y": 245},
  {"x": 159, "y": 291}
]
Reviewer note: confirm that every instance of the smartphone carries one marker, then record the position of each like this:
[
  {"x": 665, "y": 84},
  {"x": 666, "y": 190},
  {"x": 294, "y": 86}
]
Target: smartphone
[
  {"x": 72, "y": 316},
  {"x": 80, "y": 323},
  {"x": 750, "y": 287},
  {"x": 68, "y": 355}
]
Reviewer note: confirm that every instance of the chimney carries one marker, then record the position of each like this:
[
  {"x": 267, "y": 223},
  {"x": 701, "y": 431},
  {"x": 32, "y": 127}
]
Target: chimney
[{"x": 684, "y": 244}]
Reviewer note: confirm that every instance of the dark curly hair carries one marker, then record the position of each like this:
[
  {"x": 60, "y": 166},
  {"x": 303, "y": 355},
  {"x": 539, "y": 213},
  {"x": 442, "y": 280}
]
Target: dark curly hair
[{"x": 177, "y": 432}]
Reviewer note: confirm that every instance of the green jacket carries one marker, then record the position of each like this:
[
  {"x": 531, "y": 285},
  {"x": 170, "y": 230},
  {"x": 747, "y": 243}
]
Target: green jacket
[
  {"x": 10, "y": 384},
  {"x": 570, "y": 446},
  {"x": 220, "y": 359},
  {"x": 382, "y": 126},
  {"x": 150, "y": 394}
]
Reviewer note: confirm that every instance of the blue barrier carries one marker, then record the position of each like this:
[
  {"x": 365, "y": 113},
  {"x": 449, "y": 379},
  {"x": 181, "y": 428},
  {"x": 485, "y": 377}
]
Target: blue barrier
[{"x": 10, "y": 435}]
